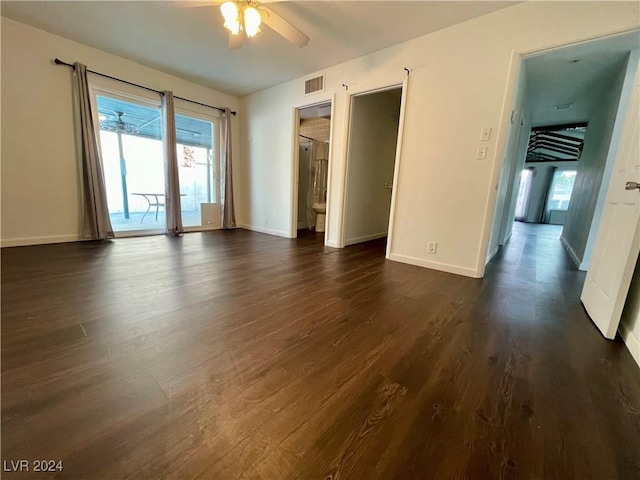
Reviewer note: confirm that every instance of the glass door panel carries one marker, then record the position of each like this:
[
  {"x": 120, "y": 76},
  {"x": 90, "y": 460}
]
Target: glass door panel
[
  {"x": 198, "y": 172},
  {"x": 133, "y": 162}
]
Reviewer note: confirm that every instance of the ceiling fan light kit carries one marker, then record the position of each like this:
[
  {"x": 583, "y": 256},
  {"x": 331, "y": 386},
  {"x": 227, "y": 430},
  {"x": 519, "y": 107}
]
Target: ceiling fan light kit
[
  {"x": 241, "y": 17},
  {"x": 244, "y": 17}
]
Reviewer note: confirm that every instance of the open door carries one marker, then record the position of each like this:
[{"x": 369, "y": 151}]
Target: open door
[{"x": 618, "y": 240}]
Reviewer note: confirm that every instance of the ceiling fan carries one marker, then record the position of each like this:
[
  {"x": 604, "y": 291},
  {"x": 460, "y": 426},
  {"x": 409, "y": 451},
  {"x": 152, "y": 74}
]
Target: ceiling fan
[{"x": 244, "y": 17}]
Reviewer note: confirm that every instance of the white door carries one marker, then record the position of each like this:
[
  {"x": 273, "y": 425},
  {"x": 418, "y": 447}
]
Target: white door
[{"x": 618, "y": 241}]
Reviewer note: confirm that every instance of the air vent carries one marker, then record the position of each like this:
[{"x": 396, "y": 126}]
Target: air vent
[{"x": 313, "y": 85}]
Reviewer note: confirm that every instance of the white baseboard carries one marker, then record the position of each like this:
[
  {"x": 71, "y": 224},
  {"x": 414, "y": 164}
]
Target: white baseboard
[
  {"x": 570, "y": 251},
  {"x": 443, "y": 267},
  {"x": 21, "y": 242},
  {"x": 268, "y": 231},
  {"x": 492, "y": 254},
  {"x": 364, "y": 238},
  {"x": 332, "y": 244},
  {"x": 631, "y": 341},
  {"x": 508, "y": 237}
]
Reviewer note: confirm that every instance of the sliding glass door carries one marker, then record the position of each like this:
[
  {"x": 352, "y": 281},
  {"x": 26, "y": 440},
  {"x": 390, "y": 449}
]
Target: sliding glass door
[
  {"x": 131, "y": 143},
  {"x": 198, "y": 162},
  {"x": 133, "y": 162}
]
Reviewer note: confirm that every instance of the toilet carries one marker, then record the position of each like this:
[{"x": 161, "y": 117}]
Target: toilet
[{"x": 321, "y": 214}]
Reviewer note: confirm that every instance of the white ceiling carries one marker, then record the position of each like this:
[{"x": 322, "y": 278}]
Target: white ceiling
[
  {"x": 555, "y": 78},
  {"x": 191, "y": 42}
]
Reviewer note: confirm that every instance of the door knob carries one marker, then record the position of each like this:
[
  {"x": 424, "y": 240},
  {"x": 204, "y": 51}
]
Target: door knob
[{"x": 632, "y": 186}]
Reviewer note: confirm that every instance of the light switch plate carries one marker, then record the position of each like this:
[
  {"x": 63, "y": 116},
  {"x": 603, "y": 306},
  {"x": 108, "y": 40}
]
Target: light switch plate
[
  {"x": 482, "y": 153},
  {"x": 485, "y": 134}
]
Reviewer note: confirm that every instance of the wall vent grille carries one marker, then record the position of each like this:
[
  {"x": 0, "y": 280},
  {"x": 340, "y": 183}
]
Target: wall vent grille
[{"x": 313, "y": 85}]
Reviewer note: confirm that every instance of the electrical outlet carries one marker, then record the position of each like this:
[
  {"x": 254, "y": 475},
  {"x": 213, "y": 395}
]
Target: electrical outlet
[{"x": 433, "y": 246}]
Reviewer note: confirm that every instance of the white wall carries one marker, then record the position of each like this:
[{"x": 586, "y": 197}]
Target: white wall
[
  {"x": 591, "y": 166},
  {"x": 40, "y": 197},
  {"x": 372, "y": 152},
  {"x": 460, "y": 82},
  {"x": 540, "y": 185}
]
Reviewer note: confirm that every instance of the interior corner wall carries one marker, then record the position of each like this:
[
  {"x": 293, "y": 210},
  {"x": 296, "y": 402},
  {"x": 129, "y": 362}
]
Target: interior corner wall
[
  {"x": 512, "y": 196},
  {"x": 509, "y": 166},
  {"x": 459, "y": 76},
  {"x": 521, "y": 156},
  {"x": 591, "y": 167},
  {"x": 40, "y": 175},
  {"x": 372, "y": 152}
]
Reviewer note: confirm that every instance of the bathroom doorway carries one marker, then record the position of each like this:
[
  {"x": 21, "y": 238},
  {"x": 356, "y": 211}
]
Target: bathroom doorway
[
  {"x": 314, "y": 136},
  {"x": 371, "y": 156}
]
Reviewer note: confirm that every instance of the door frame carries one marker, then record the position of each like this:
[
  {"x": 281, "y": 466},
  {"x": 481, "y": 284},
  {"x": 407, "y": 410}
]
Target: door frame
[
  {"x": 295, "y": 161},
  {"x": 107, "y": 87},
  {"x": 350, "y": 94},
  {"x": 517, "y": 59},
  {"x": 203, "y": 113}
]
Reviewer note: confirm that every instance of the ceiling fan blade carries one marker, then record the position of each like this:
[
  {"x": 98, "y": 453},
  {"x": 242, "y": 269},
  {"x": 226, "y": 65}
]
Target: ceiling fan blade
[
  {"x": 284, "y": 28},
  {"x": 208, "y": 3},
  {"x": 235, "y": 41},
  {"x": 194, "y": 3}
]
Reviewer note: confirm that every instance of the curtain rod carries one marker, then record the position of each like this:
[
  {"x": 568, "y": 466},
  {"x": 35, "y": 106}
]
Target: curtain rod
[{"x": 60, "y": 62}]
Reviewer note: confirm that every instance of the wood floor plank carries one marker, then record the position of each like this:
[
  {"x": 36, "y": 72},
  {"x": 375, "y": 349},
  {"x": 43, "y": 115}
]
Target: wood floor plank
[{"x": 237, "y": 355}]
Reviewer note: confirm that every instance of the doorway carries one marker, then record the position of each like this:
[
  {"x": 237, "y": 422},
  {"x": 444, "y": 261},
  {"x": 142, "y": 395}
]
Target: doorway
[
  {"x": 565, "y": 128},
  {"x": 313, "y": 147},
  {"x": 371, "y": 155},
  {"x": 592, "y": 84},
  {"x": 550, "y": 169}
]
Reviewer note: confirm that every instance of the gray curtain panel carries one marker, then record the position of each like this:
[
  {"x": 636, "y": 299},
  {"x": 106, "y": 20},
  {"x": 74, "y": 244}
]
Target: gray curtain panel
[
  {"x": 172, "y": 195},
  {"x": 96, "y": 222},
  {"x": 226, "y": 175}
]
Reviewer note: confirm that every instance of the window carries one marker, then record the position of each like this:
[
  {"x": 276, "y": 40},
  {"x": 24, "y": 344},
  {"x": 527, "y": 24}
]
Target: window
[{"x": 560, "y": 189}]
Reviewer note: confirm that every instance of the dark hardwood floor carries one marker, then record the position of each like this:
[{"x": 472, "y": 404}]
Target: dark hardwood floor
[{"x": 230, "y": 355}]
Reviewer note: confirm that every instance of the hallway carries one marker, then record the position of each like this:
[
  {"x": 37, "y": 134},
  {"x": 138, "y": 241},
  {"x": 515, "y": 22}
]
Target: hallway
[
  {"x": 534, "y": 259},
  {"x": 233, "y": 354}
]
